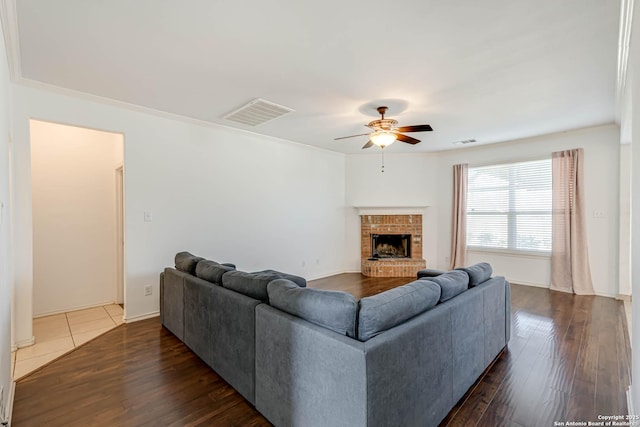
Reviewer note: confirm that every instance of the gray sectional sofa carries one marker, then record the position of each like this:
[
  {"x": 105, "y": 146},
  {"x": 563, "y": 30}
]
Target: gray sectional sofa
[{"x": 310, "y": 357}]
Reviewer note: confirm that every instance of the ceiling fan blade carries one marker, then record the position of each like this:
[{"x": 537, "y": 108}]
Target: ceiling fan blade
[
  {"x": 416, "y": 128},
  {"x": 350, "y": 136},
  {"x": 367, "y": 145},
  {"x": 407, "y": 139}
]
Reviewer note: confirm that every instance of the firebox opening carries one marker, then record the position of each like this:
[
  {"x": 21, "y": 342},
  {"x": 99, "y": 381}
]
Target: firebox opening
[{"x": 391, "y": 245}]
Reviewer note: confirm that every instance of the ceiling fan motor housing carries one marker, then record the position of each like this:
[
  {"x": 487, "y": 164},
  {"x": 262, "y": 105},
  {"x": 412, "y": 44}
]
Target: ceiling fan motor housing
[{"x": 383, "y": 124}]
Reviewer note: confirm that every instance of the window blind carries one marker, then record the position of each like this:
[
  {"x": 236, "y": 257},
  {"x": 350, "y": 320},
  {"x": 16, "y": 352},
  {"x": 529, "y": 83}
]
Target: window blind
[{"x": 509, "y": 206}]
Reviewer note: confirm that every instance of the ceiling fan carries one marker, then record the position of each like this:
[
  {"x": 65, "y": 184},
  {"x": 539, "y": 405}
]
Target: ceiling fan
[{"x": 385, "y": 131}]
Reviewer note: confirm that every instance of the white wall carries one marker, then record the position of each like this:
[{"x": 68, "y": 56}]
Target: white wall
[
  {"x": 408, "y": 180},
  {"x": 5, "y": 265},
  {"x": 74, "y": 216},
  {"x": 220, "y": 193},
  {"x": 633, "y": 90},
  {"x": 426, "y": 179},
  {"x": 625, "y": 220}
]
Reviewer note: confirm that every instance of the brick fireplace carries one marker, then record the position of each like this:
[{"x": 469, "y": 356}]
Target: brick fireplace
[{"x": 391, "y": 245}]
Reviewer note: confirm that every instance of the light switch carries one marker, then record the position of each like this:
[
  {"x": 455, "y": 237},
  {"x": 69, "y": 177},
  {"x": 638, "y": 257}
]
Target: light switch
[{"x": 148, "y": 217}]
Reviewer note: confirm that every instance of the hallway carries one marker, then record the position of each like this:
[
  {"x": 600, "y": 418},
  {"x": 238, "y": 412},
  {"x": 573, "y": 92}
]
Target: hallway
[{"x": 60, "y": 333}]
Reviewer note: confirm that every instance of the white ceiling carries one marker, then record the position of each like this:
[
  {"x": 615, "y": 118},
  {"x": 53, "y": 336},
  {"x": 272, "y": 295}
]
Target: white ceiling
[{"x": 493, "y": 70}]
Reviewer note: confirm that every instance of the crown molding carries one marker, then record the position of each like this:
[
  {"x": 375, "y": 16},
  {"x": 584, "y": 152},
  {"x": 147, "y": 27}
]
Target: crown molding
[
  {"x": 624, "y": 41},
  {"x": 9, "y": 21},
  {"x": 9, "y": 18},
  {"x": 123, "y": 105}
]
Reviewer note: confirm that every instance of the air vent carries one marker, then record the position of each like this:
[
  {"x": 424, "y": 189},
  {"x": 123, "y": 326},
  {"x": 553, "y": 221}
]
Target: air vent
[
  {"x": 257, "y": 112},
  {"x": 466, "y": 141}
]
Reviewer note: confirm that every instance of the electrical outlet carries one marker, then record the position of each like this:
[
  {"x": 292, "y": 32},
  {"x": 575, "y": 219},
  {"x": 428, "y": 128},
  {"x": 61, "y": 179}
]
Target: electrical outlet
[{"x": 148, "y": 290}]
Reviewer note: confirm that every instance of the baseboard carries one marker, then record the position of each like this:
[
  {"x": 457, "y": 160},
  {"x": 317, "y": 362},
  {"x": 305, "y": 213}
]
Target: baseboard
[
  {"x": 8, "y": 409},
  {"x": 539, "y": 285},
  {"x": 24, "y": 343},
  {"x": 141, "y": 317},
  {"x": 81, "y": 307},
  {"x": 630, "y": 407},
  {"x": 535, "y": 285},
  {"x": 600, "y": 294},
  {"x": 623, "y": 297}
]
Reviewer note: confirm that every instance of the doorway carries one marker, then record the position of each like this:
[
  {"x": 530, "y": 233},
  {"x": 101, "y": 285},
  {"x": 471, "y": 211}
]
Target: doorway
[
  {"x": 77, "y": 180},
  {"x": 120, "y": 235},
  {"x": 78, "y": 229}
]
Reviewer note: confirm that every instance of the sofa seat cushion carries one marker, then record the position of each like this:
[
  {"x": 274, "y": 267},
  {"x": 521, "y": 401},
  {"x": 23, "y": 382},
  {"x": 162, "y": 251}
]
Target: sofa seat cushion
[
  {"x": 300, "y": 281},
  {"x": 381, "y": 312},
  {"x": 334, "y": 310},
  {"x": 451, "y": 283},
  {"x": 253, "y": 285},
  {"x": 211, "y": 271},
  {"x": 187, "y": 262},
  {"x": 478, "y": 273}
]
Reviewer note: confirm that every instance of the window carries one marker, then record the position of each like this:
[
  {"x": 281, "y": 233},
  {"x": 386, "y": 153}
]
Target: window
[{"x": 509, "y": 207}]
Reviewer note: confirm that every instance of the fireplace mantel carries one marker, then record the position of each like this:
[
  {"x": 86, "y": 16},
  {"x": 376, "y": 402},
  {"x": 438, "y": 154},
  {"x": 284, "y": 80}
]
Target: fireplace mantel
[{"x": 390, "y": 210}]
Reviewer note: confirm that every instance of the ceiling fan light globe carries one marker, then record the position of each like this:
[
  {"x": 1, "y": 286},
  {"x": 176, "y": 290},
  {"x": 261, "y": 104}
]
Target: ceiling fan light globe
[{"x": 383, "y": 138}]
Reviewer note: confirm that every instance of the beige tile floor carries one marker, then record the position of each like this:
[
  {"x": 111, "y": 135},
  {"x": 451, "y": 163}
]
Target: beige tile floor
[{"x": 58, "y": 334}]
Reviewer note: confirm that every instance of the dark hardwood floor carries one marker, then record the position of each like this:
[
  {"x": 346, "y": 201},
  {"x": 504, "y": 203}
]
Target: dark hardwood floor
[
  {"x": 358, "y": 285},
  {"x": 568, "y": 360}
]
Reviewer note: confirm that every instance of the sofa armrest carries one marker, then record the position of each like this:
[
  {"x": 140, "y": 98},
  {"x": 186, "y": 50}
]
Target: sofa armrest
[
  {"x": 409, "y": 372},
  {"x": 172, "y": 303},
  {"x": 161, "y": 298},
  {"x": 307, "y": 375}
]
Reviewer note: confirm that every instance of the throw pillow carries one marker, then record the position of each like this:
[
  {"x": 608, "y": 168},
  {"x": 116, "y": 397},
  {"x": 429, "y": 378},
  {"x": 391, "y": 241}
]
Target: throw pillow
[
  {"x": 334, "y": 310},
  {"x": 478, "y": 273},
  {"x": 253, "y": 285},
  {"x": 451, "y": 283},
  {"x": 187, "y": 262},
  {"x": 211, "y": 271},
  {"x": 381, "y": 312}
]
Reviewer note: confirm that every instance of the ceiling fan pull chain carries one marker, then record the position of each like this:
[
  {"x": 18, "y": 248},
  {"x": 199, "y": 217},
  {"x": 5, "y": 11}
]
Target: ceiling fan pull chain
[{"x": 382, "y": 160}]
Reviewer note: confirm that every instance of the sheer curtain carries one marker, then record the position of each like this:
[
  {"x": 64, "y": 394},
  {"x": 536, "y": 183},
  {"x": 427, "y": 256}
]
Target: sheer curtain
[
  {"x": 569, "y": 255},
  {"x": 459, "y": 217}
]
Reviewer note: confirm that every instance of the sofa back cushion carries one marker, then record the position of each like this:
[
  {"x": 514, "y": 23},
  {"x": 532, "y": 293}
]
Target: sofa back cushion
[
  {"x": 381, "y": 312},
  {"x": 334, "y": 310},
  {"x": 253, "y": 285},
  {"x": 300, "y": 281},
  {"x": 451, "y": 283},
  {"x": 187, "y": 262},
  {"x": 478, "y": 273},
  {"x": 211, "y": 271}
]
